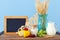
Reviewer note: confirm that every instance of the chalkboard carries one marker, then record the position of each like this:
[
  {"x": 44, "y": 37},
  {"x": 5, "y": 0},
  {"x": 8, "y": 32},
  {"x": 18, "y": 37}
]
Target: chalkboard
[{"x": 14, "y": 24}]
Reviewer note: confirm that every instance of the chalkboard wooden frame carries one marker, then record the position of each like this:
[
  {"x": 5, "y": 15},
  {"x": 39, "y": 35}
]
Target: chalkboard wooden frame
[{"x": 5, "y": 22}]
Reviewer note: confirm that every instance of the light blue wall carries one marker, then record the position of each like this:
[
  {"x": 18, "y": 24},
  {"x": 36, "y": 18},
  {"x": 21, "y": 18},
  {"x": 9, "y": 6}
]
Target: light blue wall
[{"x": 27, "y": 8}]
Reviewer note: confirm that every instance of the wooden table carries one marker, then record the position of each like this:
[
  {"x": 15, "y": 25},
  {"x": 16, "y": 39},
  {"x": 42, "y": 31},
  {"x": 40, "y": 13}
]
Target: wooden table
[{"x": 16, "y": 37}]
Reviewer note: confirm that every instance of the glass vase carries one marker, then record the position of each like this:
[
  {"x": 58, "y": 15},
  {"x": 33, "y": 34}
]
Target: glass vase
[{"x": 42, "y": 21}]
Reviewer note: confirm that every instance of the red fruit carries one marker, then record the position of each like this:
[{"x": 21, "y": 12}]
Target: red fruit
[
  {"x": 25, "y": 28},
  {"x": 31, "y": 35}
]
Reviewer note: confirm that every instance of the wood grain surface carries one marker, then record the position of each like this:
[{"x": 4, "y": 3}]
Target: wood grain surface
[{"x": 16, "y": 37}]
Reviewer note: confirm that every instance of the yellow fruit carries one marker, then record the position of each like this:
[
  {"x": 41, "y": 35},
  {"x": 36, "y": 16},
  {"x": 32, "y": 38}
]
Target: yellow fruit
[{"x": 26, "y": 33}]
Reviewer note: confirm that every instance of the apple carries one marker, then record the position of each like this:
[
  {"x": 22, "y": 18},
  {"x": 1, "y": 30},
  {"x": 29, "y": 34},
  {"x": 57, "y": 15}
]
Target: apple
[{"x": 25, "y": 28}]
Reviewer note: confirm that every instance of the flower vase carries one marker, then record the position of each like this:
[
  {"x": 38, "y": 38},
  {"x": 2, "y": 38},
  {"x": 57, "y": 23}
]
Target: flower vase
[{"x": 42, "y": 21}]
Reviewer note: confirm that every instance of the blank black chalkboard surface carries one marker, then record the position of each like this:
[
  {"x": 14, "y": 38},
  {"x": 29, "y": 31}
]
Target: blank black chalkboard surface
[{"x": 13, "y": 23}]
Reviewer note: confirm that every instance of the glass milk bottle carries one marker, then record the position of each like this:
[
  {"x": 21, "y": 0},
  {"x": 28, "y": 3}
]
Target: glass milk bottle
[
  {"x": 51, "y": 30},
  {"x": 34, "y": 30}
]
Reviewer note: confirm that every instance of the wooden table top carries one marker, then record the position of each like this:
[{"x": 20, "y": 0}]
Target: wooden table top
[{"x": 16, "y": 37}]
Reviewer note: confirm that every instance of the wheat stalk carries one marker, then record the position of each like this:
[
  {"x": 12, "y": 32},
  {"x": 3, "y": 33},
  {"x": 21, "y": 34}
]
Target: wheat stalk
[{"x": 42, "y": 7}]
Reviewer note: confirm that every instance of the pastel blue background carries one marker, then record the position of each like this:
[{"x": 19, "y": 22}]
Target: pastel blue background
[{"x": 27, "y": 8}]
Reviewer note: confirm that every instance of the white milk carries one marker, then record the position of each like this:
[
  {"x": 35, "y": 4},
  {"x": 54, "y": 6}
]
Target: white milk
[
  {"x": 51, "y": 30},
  {"x": 34, "y": 31}
]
